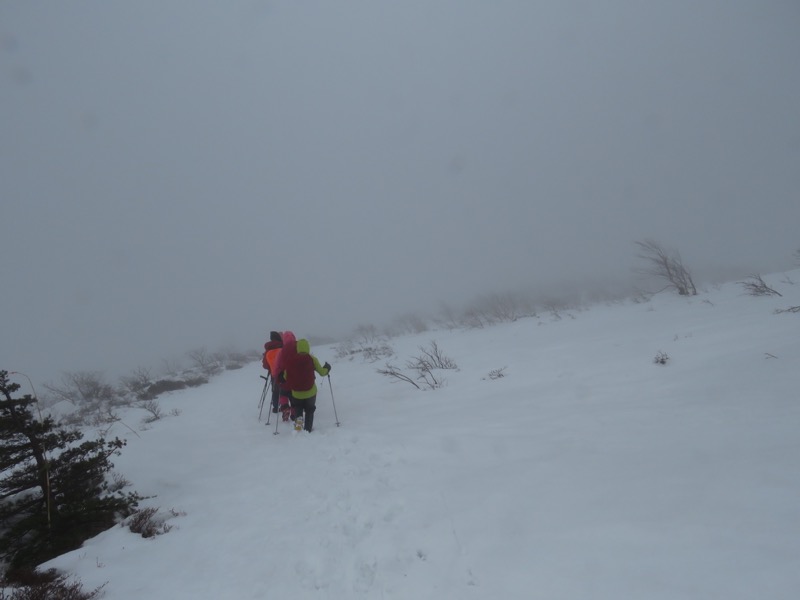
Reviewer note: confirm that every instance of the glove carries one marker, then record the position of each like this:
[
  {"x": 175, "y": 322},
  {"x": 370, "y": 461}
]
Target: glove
[{"x": 327, "y": 366}]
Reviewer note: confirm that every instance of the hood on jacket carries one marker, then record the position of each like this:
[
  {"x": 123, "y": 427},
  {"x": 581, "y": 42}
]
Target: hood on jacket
[{"x": 303, "y": 347}]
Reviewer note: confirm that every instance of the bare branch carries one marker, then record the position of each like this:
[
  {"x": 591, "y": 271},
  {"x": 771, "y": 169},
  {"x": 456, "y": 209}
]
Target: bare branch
[
  {"x": 667, "y": 266},
  {"x": 392, "y": 371},
  {"x": 757, "y": 287}
]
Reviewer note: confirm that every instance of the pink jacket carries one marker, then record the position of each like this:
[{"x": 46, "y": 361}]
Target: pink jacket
[{"x": 288, "y": 351}]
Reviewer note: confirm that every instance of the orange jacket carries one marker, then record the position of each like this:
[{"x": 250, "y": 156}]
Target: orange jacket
[
  {"x": 271, "y": 358},
  {"x": 271, "y": 348}
]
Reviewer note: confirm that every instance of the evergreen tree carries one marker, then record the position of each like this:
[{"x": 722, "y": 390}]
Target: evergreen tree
[{"x": 53, "y": 488}]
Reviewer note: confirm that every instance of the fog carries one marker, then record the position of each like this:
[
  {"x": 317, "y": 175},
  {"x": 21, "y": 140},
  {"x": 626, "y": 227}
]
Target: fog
[{"x": 196, "y": 173}]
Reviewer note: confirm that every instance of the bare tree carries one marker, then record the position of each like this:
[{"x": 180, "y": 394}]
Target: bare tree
[
  {"x": 503, "y": 307},
  {"x": 448, "y": 317},
  {"x": 204, "y": 361},
  {"x": 137, "y": 382},
  {"x": 172, "y": 366},
  {"x": 667, "y": 266},
  {"x": 83, "y": 388},
  {"x": 475, "y": 318},
  {"x": 409, "y": 323}
]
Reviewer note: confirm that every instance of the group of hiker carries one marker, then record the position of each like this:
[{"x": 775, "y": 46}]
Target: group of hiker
[{"x": 292, "y": 369}]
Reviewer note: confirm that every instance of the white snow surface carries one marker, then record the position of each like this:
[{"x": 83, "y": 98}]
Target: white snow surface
[{"x": 586, "y": 471}]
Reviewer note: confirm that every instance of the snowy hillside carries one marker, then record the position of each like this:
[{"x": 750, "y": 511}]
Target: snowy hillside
[{"x": 579, "y": 469}]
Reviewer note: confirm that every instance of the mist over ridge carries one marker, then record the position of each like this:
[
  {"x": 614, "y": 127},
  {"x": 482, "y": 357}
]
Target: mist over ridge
[{"x": 183, "y": 175}]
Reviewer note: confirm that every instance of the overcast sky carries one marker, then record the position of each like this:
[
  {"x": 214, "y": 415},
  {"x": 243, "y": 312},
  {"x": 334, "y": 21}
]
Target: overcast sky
[{"x": 186, "y": 173}]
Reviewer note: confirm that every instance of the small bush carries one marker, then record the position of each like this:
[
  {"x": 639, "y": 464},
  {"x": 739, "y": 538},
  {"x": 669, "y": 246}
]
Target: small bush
[
  {"x": 172, "y": 385},
  {"x": 497, "y": 373},
  {"x": 205, "y": 362},
  {"x": 164, "y": 385},
  {"x": 409, "y": 323},
  {"x": 424, "y": 366},
  {"x": 661, "y": 358},
  {"x": 137, "y": 382},
  {"x": 755, "y": 286},
  {"x": 149, "y": 523},
  {"x": 153, "y": 408},
  {"x": 375, "y": 353},
  {"x": 32, "y": 585},
  {"x": 344, "y": 350},
  {"x": 92, "y": 399},
  {"x": 369, "y": 343},
  {"x": 119, "y": 483},
  {"x": 435, "y": 358}
]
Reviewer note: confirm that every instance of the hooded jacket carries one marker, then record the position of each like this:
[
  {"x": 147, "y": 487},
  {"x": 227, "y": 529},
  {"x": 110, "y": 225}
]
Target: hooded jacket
[
  {"x": 299, "y": 371},
  {"x": 288, "y": 350}
]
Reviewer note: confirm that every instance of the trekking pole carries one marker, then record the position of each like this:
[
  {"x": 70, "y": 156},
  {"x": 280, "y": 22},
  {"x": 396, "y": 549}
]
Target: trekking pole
[
  {"x": 334, "y": 401},
  {"x": 271, "y": 384},
  {"x": 276, "y": 425},
  {"x": 263, "y": 396}
]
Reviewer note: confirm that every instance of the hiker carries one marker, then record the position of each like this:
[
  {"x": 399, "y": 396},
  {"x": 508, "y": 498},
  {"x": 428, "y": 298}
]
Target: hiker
[
  {"x": 288, "y": 350},
  {"x": 299, "y": 372},
  {"x": 271, "y": 350}
]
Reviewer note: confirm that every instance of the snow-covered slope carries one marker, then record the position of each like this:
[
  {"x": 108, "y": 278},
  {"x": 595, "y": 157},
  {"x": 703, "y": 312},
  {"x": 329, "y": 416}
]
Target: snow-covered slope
[{"x": 586, "y": 471}]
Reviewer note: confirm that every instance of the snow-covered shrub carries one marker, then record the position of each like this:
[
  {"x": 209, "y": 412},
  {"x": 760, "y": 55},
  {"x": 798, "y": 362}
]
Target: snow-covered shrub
[
  {"x": 89, "y": 398},
  {"x": 497, "y": 373},
  {"x": 136, "y": 383},
  {"x": 205, "y": 362},
  {"x": 171, "y": 385},
  {"x": 423, "y": 367},
  {"x": 47, "y": 586},
  {"x": 366, "y": 342},
  {"x": 149, "y": 522},
  {"x": 152, "y": 407}
]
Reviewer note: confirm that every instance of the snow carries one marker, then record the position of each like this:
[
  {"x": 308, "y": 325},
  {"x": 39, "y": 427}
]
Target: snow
[{"x": 585, "y": 471}]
